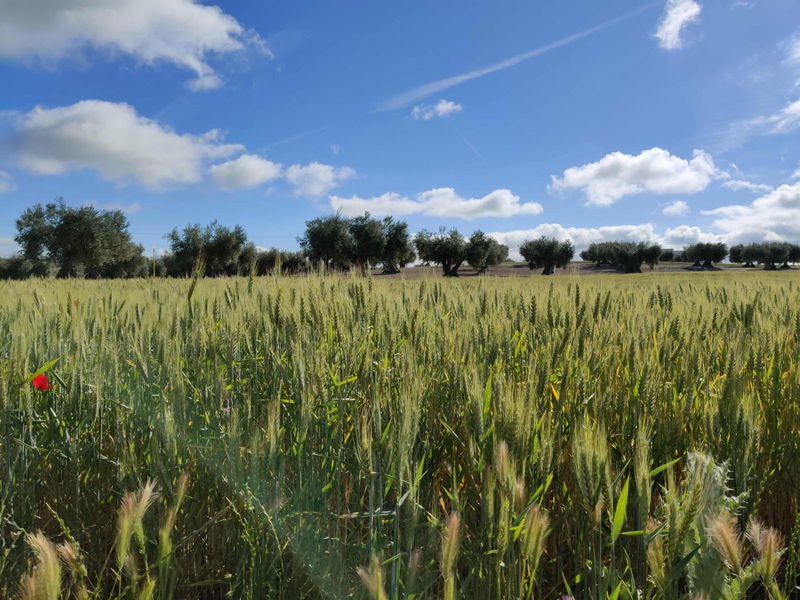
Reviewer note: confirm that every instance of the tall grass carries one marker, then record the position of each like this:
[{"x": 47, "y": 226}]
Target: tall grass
[{"x": 332, "y": 437}]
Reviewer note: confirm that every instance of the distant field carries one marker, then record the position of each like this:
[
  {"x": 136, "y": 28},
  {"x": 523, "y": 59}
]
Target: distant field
[
  {"x": 511, "y": 269},
  {"x": 482, "y": 438}
]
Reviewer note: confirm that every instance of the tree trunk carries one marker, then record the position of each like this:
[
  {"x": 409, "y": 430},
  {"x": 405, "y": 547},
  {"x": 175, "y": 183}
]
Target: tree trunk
[
  {"x": 708, "y": 265},
  {"x": 548, "y": 269}
]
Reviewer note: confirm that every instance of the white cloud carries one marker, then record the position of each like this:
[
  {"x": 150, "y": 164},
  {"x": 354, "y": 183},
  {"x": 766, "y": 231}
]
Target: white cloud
[
  {"x": 6, "y": 183},
  {"x": 740, "y": 184},
  {"x": 655, "y": 171},
  {"x": 8, "y": 246},
  {"x": 685, "y": 235},
  {"x": 439, "y": 202},
  {"x": 442, "y": 108},
  {"x": 773, "y": 216},
  {"x": 794, "y": 51},
  {"x": 581, "y": 237},
  {"x": 784, "y": 121},
  {"x": 315, "y": 179},
  {"x": 796, "y": 174},
  {"x": 182, "y": 32},
  {"x": 336, "y": 149},
  {"x": 246, "y": 171},
  {"x": 679, "y": 208},
  {"x": 677, "y": 15},
  {"x": 115, "y": 141}
]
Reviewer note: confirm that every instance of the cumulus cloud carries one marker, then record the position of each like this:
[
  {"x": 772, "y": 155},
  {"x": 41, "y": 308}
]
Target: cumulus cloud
[
  {"x": 315, "y": 179},
  {"x": 677, "y": 15},
  {"x": 773, "y": 217},
  {"x": 679, "y": 208},
  {"x": 653, "y": 171},
  {"x": 740, "y": 184},
  {"x": 442, "y": 108},
  {"x": 181, "y": 32},
  {"x": 581, "y": 237},
  {"x": 684, "y": 235},
  {"x": 6, "y": 183},
  {"x": 115, "y": 141},
  {"x": 439, "y": 202},
  {"x": 244, "y": 172}
]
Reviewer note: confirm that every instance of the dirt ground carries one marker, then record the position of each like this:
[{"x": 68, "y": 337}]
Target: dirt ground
[{"x": 522, "y": 270}]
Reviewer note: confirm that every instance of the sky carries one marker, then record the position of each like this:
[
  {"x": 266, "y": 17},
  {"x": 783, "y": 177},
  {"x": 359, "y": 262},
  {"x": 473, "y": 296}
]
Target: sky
[{"x": 673, "y": 121}]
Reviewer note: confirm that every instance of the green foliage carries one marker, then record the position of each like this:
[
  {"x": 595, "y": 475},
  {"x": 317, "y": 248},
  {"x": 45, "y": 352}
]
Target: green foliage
[
  {"x": 399, "y": 250},
  {"x": 280, "y": 262},
  {"x": 219, "y": 250},
  {"x": 339, "y": 243},
  {"x": 626, "y": 256},
  {"x": 483, "y": 252},
  {"x": 327, "y": 240},
  {"x": 78, "y": 241},
  {"x": 368, "y": 241},
  {"x": 448, "y": 249},
  {"x": 706, "y": 253},
  {"x": 547, "y": 254}
]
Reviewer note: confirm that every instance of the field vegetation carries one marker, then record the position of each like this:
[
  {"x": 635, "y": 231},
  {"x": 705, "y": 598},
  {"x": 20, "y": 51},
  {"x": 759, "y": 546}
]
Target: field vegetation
[{"x": 327, "y": 437}]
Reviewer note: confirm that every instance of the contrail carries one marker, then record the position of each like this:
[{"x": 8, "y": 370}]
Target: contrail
[
  {"x": 471, "y": 147},
  {"x": 433, "y": 87}
]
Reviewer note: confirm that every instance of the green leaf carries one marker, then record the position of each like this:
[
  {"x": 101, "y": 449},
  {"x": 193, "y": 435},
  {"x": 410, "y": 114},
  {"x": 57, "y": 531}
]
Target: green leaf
[
  {"x": 615, "y": 594},
  {"x": 619, "y": 512},
  {"x": 45, "y": 367},
  {"x": 487, "y": 398},
  {"x": 667, "y": 465}
]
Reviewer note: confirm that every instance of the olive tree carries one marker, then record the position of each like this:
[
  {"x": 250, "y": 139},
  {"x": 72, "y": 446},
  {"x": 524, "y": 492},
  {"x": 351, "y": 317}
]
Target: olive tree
[
  {"x": 448, "y": 249},
  {"x": 547, "y": 254},
  {"x": 78, "y": 241},
  {"x": 705, "y": 254},
  {"x": 483, "y": 251},
  {"x": 328, "y": 240},
  {"x": 399, "y": 249}
]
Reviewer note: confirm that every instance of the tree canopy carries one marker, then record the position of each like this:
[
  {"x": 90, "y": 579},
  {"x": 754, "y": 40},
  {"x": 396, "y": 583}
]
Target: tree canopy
[
  {"x": 78, "y": 241},
  {"x": 626, "y": 256},
  {"x": 339, "y": 243},
  {"x": 448, "y": 249},
  {"x": 483, "y": 252},
  {"x": 705, "y": 254},
  {"x": 219, "y": 250},
  {"x": 547, "y": 254}
]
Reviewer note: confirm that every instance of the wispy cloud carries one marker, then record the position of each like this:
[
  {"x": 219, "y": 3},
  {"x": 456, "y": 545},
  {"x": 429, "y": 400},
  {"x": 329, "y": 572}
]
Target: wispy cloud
[
  {"x": 294, "y": 138},
  {"x": 677, "y": 15},
  {"x": 434, "y": 87},
  {"x": 442, "y": 108}
]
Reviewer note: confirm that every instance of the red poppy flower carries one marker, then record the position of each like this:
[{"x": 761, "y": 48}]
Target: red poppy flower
[{"x": 40, "y": 382}]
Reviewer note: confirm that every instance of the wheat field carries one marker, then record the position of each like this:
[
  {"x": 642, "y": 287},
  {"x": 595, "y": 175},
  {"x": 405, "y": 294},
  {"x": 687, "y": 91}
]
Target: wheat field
[{"x": 332, "y": 437}]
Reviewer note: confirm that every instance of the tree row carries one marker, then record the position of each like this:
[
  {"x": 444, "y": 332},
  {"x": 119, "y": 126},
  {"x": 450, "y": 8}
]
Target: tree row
[{"x": 62, "y": 241}]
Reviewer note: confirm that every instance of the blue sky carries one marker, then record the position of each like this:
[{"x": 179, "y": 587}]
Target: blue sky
[{"x": 675, "y": 120}]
